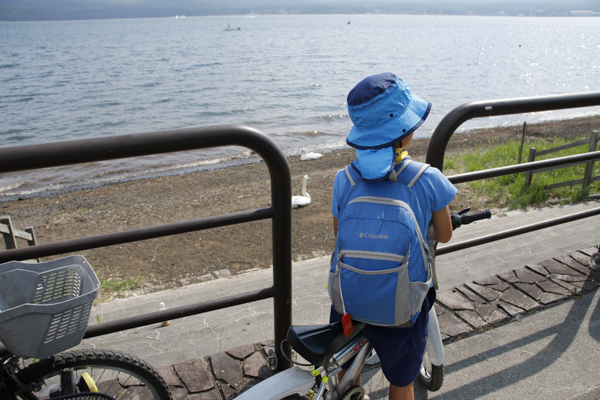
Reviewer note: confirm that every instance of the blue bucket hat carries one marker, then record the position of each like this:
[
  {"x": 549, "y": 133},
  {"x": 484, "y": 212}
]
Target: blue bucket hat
[{"x": 384, "y": 111}]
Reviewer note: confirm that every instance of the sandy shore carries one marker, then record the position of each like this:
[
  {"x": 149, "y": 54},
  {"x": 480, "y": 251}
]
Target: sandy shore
[{"x": 193, "y": 257}]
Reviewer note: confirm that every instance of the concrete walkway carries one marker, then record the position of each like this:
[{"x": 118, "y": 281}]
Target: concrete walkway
[{"x": 550, "y": 352}]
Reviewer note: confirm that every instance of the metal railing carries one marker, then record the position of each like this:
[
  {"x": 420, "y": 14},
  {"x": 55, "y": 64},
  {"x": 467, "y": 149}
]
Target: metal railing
[
  {"x": 90, "y": 150},
  {"x": 448, "y": 125},
  {"x": 143, "y": 144}
]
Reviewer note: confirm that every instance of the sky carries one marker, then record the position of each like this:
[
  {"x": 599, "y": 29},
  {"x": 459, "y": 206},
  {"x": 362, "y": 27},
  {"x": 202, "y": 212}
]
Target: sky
[{"x": 22, "y": 10}]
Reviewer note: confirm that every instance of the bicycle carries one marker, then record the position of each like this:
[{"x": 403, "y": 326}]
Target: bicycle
[
  {"x": 44, "y": 309},
  {"x": 327, "y": 348}
]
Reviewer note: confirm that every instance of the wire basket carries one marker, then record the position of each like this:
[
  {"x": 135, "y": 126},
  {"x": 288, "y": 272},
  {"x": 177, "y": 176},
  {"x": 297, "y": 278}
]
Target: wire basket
[{"x": 45, "y": 307}]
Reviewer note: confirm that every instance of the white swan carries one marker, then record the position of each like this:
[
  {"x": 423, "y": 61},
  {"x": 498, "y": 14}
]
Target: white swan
[
  {"x": 304, "y": 200},
  {"x": 309, "y": 156}
]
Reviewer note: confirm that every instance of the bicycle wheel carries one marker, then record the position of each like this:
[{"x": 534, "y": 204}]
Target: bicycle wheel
[
  {"x": 119, "y": 375},
  {"x": 431, "y": 376}
]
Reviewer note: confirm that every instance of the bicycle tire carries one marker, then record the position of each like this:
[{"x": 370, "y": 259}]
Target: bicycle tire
[
  {"x": 116, "y": 374},
  {"x": 354, "y": 393},
  {"x": 431, "y": 376}
]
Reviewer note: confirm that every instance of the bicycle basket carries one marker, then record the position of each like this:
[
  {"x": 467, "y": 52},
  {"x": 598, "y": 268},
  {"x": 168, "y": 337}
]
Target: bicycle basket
[{"x": 45, "y": 307}]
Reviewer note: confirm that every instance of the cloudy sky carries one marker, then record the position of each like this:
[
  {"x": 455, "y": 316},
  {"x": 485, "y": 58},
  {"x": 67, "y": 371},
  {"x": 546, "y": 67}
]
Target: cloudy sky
[{"x": 15, "y": 10}]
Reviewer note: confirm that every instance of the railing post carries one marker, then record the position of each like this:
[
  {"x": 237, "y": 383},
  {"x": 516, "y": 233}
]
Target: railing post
[
  {"x": 589, "y": 166},
  {"x": 522, "y": 142},
  {"x": 282, "y": 270},
  {"x": 9, "y": 235},
  {"x": 529, "y": 173}
]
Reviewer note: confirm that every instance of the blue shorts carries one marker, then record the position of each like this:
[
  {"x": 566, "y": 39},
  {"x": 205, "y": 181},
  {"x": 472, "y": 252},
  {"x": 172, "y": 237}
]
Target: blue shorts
[{"x": 400, "y": 350}]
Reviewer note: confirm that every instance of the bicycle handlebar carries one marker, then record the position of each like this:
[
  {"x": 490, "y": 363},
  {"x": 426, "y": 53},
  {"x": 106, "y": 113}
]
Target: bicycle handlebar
[{"x": 464, "y": 217}]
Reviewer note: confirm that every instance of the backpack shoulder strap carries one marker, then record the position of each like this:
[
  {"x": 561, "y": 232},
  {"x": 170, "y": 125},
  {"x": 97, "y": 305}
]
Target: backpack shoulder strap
[
  {"x": 409, "y": 172},
  {"x": 352, "y": 174}
]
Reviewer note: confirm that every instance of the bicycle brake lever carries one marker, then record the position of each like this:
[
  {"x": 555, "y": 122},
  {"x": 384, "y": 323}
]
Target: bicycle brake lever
[{"x": 464, "y": 211}]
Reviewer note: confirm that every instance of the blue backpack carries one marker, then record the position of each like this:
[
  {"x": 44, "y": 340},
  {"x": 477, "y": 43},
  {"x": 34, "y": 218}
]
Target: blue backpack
[{"x": 380, "y": 269}]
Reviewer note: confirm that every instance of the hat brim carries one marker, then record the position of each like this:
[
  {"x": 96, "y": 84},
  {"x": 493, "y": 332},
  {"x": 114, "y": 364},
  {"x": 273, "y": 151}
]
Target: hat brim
[{"x": 375, "y": 164}]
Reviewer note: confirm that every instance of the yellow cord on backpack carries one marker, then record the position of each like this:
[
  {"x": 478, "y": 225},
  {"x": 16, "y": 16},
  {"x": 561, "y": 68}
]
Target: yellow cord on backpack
[{"x": 401, "y": 154}]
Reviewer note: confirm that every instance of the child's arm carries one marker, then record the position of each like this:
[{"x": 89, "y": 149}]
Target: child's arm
[
  {"x": 442, "y": 225},
  {"x": 335, "y": 224}
]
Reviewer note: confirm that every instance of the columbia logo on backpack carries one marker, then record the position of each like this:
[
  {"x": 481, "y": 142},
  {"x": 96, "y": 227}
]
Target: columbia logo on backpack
[
  {"x": 372, "y": 236},
  {"x": 381, "y": 282}
]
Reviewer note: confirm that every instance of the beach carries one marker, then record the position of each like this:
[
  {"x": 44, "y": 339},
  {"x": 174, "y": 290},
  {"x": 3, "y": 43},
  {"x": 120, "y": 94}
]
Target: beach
[{"x": 194, "y": 257}]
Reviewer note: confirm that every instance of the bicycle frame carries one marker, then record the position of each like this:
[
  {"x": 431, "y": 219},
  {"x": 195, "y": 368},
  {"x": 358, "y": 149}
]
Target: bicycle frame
[
  {"x": 359, "y": 348},
  {"x": 299, "y": 381}
]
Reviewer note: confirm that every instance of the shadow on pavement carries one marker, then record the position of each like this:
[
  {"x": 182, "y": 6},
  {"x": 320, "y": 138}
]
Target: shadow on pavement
[{"x": 563, "y": 335}]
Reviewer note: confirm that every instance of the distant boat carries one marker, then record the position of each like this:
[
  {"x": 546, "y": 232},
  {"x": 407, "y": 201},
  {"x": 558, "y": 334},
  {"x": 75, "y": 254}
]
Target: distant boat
[{"x": 229, "y": 28}]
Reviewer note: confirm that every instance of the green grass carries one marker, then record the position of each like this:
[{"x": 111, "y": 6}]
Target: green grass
[
  {"x": 116, "y": 287},
  {"x": 112, "y": 288},
  {"x": 511, "y": 188},
  {"x": 119, "y": 286}
]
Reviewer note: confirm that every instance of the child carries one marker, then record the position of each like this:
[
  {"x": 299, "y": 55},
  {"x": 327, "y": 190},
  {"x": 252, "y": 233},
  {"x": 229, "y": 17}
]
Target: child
[{"x": 385, "y": 114}]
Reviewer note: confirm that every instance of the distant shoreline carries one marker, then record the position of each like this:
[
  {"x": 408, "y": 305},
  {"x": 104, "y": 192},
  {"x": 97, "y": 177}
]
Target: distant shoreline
[
  {"x": 499, "y": 13},
  {"x": 420, "y": 143}
]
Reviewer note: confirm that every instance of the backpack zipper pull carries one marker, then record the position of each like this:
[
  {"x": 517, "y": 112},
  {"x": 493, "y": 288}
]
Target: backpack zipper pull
[{"x": 347, "y": 324}]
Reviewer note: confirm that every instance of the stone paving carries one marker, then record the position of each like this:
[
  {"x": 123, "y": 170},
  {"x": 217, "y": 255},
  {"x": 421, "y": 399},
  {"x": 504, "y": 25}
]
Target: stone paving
[
  {"x": 500, "y": 298},
  {"x": 221, "y": 375},
  {"x": 462, "y": 311}
]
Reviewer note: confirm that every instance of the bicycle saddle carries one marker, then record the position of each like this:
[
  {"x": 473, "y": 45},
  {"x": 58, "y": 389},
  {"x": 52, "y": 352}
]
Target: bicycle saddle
[{"x": 318, "y": 343}]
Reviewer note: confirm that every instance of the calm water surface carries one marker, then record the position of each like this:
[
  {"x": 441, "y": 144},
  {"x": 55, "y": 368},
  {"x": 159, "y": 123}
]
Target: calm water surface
[{"x": 287, "y": 76}]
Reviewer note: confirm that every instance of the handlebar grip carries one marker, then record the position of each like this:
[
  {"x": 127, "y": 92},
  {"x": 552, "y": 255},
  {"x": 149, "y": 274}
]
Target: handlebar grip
[
  {"x": 471, "y": 217},
  {"x": 463, "y": 219}
]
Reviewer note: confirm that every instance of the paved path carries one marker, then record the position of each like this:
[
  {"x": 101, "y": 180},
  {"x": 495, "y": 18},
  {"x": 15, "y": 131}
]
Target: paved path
[{"x": 552, "y": 354}]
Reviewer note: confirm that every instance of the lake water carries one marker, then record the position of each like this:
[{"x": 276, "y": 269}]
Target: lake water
[{"x": 287, "y": 76}]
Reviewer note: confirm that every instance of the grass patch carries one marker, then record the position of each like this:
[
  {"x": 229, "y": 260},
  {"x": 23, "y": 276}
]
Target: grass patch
[
  {"x": 118, "y": 288},
  {"x": 122, "y": 285},
  {"x": 510, "y": 190}
]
